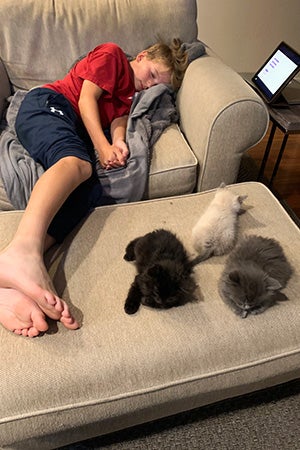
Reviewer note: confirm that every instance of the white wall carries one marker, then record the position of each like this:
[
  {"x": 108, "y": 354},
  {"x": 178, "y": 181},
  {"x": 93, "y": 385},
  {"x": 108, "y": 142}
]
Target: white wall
[{"x": 244, "y": 32}]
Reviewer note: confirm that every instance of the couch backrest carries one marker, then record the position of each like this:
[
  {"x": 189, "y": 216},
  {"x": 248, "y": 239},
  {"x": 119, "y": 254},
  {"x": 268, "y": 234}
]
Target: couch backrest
[{"x": 40, "y": 39}]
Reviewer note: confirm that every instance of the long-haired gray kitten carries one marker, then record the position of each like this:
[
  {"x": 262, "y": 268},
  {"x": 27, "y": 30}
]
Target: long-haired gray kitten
[
  {"x": 215, "y": 233},
  {"x": 254, "y": 273}
]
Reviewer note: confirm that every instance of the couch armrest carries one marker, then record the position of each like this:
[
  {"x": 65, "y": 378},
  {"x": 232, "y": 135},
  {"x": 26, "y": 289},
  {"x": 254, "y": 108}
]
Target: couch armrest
[
  {"x": 5, "y": 90},
  {"x": 221, "y": 117}
]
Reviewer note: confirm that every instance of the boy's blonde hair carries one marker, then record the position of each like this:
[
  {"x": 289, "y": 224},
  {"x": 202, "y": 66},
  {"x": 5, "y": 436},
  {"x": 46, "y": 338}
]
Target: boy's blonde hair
[{"x": 173, "y": 57}]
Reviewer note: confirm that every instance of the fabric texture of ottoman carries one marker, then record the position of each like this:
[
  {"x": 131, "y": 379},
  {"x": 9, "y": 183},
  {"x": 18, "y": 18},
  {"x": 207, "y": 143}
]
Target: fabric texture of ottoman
[{"x": 119, "y": 370}]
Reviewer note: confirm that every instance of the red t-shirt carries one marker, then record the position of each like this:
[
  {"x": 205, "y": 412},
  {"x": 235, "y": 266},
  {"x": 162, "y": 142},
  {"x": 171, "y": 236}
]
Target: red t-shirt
[{"x": 106, "y": 66}]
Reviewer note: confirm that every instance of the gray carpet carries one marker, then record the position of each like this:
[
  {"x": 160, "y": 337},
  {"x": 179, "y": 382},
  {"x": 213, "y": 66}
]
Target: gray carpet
[{"x": 265, "y": 420}]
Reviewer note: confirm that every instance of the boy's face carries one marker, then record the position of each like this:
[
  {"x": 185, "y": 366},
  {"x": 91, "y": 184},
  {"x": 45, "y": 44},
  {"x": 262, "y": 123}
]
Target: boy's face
[{"x": 149, "y": 72}]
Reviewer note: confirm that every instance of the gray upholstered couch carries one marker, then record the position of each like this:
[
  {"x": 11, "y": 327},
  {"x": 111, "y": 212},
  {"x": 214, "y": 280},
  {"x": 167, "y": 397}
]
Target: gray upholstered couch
[
  {"x": 220, "y": 116},
  {"x": 119, "y": 370}
]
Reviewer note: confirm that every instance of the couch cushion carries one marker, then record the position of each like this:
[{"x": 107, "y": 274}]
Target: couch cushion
[
  {"x": 120, "y": 370},
  {"x": 65, "y": 33},
  {"x": 5, "y": 204},
  {"x": 173, "y": 169}
]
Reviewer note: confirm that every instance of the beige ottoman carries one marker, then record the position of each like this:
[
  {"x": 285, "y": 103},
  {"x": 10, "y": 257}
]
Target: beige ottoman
[{"x": 120, "y": 370}]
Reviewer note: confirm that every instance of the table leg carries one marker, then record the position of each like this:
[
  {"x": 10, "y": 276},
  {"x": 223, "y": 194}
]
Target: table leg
[
  {"x": 284, "y": 141},
  {"x": 267, "y": 152}
]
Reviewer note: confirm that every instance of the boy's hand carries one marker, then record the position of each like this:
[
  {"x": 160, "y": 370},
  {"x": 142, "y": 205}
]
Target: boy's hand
[
  {"x": 123, "y": 151},
  {"x": 115, "y": 155}
]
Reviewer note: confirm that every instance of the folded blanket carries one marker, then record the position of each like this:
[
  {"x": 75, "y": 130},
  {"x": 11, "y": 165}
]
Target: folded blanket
[{"x": 151, "y": 112}]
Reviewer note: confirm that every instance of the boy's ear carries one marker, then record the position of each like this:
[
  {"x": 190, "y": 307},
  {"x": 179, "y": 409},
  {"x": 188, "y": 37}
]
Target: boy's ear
[{"x": 141, "y": 55}]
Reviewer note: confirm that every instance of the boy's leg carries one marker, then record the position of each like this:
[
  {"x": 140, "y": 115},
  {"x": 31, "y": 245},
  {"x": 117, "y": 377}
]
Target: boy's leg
[
  {"x": 75, "y": 208},
  {"x": 48, "y": 128},
  {"x": 21, "y": 263},
  {"x": 26, "y": 292}
]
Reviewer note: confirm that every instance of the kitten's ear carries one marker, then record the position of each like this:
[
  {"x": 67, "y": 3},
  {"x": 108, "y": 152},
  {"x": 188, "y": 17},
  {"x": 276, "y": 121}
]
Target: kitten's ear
[
  {"x": 272, "y": 284},
  {"x": 241, "y": 198},
  {"x": 234, "y": 276}
]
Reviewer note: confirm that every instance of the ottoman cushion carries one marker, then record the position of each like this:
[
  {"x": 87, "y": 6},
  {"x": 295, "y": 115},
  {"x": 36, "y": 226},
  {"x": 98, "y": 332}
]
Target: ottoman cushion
[{"x": 119, "y": 370}]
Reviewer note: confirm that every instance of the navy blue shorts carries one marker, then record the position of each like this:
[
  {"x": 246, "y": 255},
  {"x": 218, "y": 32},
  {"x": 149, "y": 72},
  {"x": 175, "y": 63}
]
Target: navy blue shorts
[{"x": 49, "y": 129}]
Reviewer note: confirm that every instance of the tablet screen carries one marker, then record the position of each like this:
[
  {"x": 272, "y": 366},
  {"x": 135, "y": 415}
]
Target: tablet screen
[{"x": 277, "y": 71}]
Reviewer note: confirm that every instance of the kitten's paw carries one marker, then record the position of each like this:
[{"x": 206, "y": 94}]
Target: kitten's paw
[
  {"x": 130, "y": 308},
  {"x": 239, "y": 312},
  {"x": 129, "y": 252},
  {"x": 129, "y": 256},
  {"x": 258, "y": 310}
]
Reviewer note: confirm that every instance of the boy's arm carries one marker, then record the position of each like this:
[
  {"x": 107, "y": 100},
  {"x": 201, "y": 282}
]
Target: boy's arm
[
  {"x": 109, "y": 155},
  {"x": 118, "y": 134}
]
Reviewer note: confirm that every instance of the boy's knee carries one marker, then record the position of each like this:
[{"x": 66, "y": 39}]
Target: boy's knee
[
  {"x": 80, "y": 167},
  {"x": 85, "y": 168}
]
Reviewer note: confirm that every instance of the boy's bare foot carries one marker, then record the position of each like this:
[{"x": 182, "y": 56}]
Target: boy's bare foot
[
  {"x": 68, "y": 320},
  {"x": 25, "y": 273},
  {"x": 20, "y": 314}
]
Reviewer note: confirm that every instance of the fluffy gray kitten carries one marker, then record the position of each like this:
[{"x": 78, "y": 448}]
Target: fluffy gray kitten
[
  {"x": 215, "y": 232},
  {"x": 254, "y": 273}
]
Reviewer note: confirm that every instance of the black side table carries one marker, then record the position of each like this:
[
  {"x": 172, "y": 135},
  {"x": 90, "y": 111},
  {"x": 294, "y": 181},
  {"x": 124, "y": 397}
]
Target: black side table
[{"x": 287, "y": 119}]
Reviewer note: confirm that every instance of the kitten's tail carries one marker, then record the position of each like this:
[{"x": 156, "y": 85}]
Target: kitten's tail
[{"x": 202, "y": 257}]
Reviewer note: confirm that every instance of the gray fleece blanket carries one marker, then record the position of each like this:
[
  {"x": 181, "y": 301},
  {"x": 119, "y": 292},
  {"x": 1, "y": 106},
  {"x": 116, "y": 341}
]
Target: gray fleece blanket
[
  {"x": 151, "y": 112},
  {"x": 19, "y": 172}
]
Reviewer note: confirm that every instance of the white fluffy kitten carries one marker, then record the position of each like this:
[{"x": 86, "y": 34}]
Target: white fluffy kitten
[{"x": 215, "y": 233}]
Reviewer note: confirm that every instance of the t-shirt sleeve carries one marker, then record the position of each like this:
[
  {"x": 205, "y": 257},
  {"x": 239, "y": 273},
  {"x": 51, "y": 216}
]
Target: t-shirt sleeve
[{"x": 101, "y": 66}]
